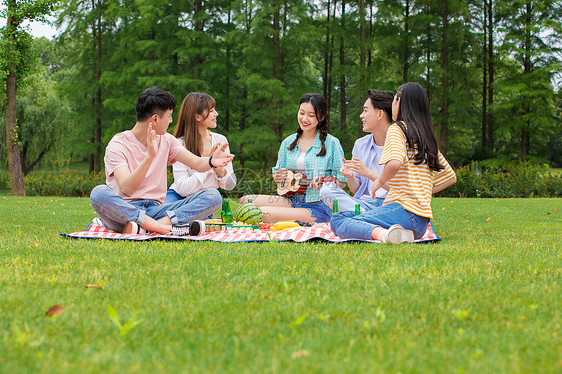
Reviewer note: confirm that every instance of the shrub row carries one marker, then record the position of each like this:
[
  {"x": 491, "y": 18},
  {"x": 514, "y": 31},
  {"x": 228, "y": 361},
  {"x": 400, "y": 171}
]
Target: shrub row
[
  {"x": 63, "y": 183},
  {"x": 520, "y": 179},
  {"x": 514, "y": 179}
]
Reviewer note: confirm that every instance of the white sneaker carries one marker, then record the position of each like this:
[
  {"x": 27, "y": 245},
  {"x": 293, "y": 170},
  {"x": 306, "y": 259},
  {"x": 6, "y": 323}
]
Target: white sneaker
[
  {"x": 194, "y": 228},
  {"x": 98, "y": 222},
  {"x": 133, "y": 228},
  {"x": 396, "y": 234}
]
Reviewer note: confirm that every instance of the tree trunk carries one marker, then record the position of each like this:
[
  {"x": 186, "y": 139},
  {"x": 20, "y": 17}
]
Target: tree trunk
[
  {"x": 343, "y": 105},
  {"x": 362, "y": 57},
  {"x": 484, "y": 123},
  {"x": 369, "y": 50},
  {"x": 198, "y": 27},
  {"x": 14, "y": 160},
  {"x": 444, "y": 133},
  {"x": 243, "y": 115},
  {"x": 97, "y": 139},
  {"x": 12, "y": 147},
  {"x": 327, "y": 51},
  {"x": 406, "y": 57},
  {"x": 525, "y": 133},
  {"x": 227, "y": 81},
  {"x": 428, "y": 56},
  {"x": 276, "y": 124},
  {"x": 490, "y": 80}
]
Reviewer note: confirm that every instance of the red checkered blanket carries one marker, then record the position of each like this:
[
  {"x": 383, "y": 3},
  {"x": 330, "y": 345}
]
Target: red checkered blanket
[{"x": 303, "y": 234}]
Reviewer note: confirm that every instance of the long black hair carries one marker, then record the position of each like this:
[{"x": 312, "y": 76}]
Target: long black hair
[
  {"x": 320, "y": 106},
  {"x": 414, "y": 119}
]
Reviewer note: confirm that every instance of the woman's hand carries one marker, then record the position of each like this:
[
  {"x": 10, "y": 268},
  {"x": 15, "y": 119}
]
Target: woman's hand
[
  {"x": 280, "y": 175},
  {"x": 220, "y": 157},
  {"x": 345, "y": 170}
]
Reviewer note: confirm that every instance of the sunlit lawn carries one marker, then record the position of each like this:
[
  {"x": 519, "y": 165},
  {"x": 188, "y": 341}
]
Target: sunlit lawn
[{"x": 485, "y": 299}]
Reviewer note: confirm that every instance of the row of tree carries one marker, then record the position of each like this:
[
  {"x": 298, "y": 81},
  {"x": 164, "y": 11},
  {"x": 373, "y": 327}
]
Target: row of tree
[{"x": 488, "y": 66}]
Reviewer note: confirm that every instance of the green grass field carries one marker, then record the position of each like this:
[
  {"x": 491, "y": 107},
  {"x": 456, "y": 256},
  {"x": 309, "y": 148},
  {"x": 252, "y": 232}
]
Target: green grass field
[{"x": 485, "y": 299}]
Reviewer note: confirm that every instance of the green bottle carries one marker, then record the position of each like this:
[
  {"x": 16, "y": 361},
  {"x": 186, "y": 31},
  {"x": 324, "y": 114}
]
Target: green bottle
[
  {"x": 357, "y": 209},
  {"x": 249, "y": 201},
  {"x": 335, "y": 207},
  {"x": 226, "y": 213}
]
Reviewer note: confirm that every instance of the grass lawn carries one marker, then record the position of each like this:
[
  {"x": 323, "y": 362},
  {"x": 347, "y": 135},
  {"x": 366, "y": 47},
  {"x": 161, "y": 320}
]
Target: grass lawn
[{"x": 485, "y": 299}]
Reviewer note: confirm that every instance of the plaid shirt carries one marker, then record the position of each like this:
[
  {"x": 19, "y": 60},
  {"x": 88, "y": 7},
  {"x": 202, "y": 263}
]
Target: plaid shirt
[{"x": 326, "y": 166}]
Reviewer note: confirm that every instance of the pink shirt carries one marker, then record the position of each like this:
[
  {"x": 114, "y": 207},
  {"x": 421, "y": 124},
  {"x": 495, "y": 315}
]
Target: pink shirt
[{"x": 124, "y": 149}]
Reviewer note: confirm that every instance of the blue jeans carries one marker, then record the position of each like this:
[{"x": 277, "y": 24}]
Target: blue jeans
[
  {"x": 346, "y": 226},
  {"x": 115, "y": 212},
  {"x": 317, "y": 209},
  {"x": 331, "y": 191},
  {"x": 172, "y": 196}
]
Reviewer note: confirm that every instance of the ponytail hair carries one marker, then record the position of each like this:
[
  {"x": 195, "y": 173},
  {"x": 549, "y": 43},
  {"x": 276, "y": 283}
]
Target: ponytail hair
[
  {"x": 414, "y": 119},
  {"x": 187, "y": 126},
  {"x": 320, "y": 106}
]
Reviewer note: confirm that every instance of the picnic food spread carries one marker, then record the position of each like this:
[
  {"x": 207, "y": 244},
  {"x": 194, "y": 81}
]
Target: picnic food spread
[{"x": 216, "y": 224}]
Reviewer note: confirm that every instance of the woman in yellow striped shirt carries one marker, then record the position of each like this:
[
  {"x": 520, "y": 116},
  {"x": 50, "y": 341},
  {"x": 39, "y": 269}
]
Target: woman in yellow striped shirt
[{"x": 414, "y": 169}]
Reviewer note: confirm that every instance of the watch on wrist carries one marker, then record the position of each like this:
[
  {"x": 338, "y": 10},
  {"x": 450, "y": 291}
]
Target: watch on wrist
[{"x": 210, "y": 163}]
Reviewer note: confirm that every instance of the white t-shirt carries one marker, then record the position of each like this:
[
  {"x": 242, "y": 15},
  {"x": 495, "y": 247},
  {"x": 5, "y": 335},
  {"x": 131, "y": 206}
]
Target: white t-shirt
[
  {"x": 188, "y": 181},
  {"x": 300, "y": 162}
]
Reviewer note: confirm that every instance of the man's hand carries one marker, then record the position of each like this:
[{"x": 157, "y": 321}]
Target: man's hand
[
  {"x": 151, "y": 142},
  {"x": 356, "y": 165}
]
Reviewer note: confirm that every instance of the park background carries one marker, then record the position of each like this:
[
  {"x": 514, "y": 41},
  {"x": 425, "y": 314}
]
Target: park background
[
  {"x": 486, "y": 299},
  {"x": 492, "y": 71}
]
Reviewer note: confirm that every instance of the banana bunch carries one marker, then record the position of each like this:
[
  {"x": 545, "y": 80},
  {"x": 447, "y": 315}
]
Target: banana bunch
[{"x": 284, "y": 225}]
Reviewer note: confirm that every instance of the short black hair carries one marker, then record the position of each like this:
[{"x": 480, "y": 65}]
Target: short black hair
[
  {"x": 154, "y": 99},
  {"x": 382, "y": 100}
]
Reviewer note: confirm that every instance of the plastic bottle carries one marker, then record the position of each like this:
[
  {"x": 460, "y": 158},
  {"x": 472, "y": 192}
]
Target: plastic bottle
[
  {"x": 226, "y": 213},
  {"x": 335, "y": 207}
]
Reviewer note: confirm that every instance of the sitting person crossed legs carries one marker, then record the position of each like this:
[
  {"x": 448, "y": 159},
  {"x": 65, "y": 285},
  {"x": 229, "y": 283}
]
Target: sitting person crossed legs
[
  {"x": 135, "y": 167},
  {"x": 364, "y": 167}
]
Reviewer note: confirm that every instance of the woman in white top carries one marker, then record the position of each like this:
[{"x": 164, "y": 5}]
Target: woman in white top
[{"x": 196, "y": 117}]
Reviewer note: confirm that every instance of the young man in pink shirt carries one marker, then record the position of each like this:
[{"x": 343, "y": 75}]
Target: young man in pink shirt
[{"x": 132, "y": 200}]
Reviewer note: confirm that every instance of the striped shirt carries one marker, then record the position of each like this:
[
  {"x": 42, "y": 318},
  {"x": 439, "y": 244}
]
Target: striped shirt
[
  {"x": 412, "y": 185},
  {"x": 314, "y": 166}
]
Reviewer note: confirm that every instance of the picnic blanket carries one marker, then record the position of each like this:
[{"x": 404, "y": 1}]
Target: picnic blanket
[{"x": 321, "y": 232}]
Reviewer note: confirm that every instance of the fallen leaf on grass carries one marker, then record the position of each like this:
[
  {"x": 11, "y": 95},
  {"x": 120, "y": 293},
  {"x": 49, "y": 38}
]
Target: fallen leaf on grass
[
  {"x": 557, "y": 209},
  {"x": 488, "y": 220},
  {"x": 299, "y": 320},
  {"x": 268, "y": 297},
  {"x": 55, "y": 310},
  {"x": 36, "y": 244},
  {"x": 299, "y": 354},
  {"x": 94, "y": 286}
]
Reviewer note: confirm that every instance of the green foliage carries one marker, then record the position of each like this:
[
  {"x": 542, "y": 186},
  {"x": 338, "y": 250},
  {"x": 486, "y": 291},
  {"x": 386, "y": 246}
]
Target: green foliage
[
  {"x": 496, "y": 178},
  {"x": 45, "y": 127},
  {"x": 230, "y": 50},
  {"x": 62, "y": 183}
]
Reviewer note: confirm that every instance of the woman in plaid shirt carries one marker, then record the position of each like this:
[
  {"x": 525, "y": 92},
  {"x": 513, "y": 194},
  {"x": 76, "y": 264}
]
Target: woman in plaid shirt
[{"x": 311, "y": 152}]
